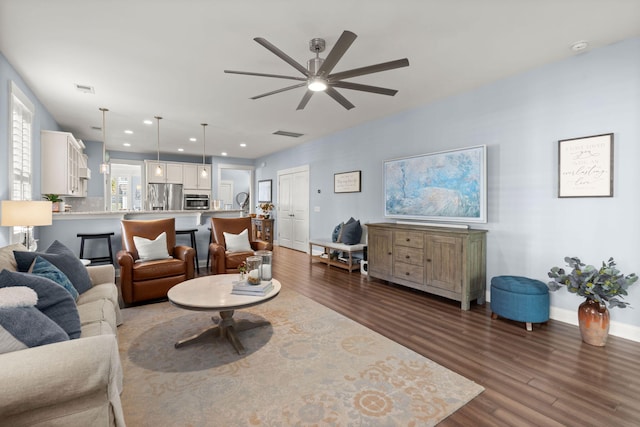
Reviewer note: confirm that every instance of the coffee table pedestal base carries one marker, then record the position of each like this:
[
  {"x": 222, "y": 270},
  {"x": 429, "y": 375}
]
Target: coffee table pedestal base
[{"x": 227, "y": 327}]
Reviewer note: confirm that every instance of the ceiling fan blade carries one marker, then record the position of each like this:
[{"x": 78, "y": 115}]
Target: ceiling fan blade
[
  {"x": 365, "y": 88},
  {"x": 341, "y": 99},
  {"x": 284, "y": 89},
  {"x": 305, "y": 99},
  {"x": 384, "y": 66},
  {"x": 277, "y": 76},
  {"x": 289, "y": 60},
  {"x": 339, "y": 49}
]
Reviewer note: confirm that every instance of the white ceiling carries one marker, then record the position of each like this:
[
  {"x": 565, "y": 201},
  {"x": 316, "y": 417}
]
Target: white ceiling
[{"x": 166, "y": 57}]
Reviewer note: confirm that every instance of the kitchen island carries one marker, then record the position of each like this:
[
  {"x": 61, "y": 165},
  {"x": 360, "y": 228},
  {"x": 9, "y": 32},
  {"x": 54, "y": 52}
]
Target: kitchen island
[{"x": 66, "y": 226}]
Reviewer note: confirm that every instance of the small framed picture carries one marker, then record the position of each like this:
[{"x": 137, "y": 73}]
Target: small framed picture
[
  {"x": 264, "y": 191},
  {"x": 347, "y": 182},
  {"x": 585, "y": 166}
]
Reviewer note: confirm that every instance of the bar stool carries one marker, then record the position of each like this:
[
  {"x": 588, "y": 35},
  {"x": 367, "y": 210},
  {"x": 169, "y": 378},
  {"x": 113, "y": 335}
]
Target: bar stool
[
  {"x": 192, "y": 233},
  {"x": 92, "y": 236},
  {"x": 210, "y": 242}
]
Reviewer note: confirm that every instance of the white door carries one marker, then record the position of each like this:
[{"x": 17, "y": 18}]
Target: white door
[
  {"x": 293, "y": 208},
  {"x": 225, "y": 193}
]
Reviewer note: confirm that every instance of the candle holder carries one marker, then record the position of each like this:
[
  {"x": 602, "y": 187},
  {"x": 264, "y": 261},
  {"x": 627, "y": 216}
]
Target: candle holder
[{"x": 254, "y": 265}]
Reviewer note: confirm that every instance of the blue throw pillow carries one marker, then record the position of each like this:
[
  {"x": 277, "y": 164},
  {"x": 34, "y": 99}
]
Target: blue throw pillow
[
  {"x": 53, "y": 300},
  {"x": 23, "y": 327},
  {"x": 351, "y": 233},
  {"x": 43, "y": 268},
  {"x": 63, "y": 258},
  {"x": 337, "y": 231}
]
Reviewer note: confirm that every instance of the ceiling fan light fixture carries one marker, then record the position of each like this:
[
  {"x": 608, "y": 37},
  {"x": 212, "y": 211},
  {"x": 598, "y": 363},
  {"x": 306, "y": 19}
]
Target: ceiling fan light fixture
[{"x": 317, "y": 85}]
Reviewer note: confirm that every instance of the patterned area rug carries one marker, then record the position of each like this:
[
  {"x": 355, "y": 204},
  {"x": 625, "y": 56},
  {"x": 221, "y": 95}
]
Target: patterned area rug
[{"x": 311, "y": 367}]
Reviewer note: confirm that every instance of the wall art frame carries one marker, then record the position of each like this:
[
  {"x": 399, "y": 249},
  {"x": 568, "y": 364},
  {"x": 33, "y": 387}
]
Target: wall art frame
[
  {"x": 264, "y": 191},
  {"x": 449, "y": 186},
  {"x": 347, "y": 182},
  {"x": 585, "y": 166}
]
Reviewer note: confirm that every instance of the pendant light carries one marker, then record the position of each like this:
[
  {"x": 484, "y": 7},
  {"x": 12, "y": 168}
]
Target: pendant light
[
  {"x": 159, "y": 171},
  {"x": 104, "y": 166},
  {"x": 203, "y": 173}
]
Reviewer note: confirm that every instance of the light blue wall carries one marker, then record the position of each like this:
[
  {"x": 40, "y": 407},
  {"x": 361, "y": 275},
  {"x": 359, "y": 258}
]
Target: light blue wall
[
  {"x": 520, "y": 119},
  {"x": 42, "y": 120}
]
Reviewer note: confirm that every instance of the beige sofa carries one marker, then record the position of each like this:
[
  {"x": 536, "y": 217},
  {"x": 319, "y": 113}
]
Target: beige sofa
[{"x": 70, "y": 383}]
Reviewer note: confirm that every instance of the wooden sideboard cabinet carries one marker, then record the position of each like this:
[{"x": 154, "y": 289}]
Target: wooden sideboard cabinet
[
  {"x": 262, "y": 229},
  {"x": 448, "y": 262}
]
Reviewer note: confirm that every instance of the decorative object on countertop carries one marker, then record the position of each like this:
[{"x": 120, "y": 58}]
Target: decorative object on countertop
[
  {"x": 266, "y": 208},
  {"x": 598, "y": 286},
  {"x": 57, "y": 203},
  {"x": 26, "y": 213}
]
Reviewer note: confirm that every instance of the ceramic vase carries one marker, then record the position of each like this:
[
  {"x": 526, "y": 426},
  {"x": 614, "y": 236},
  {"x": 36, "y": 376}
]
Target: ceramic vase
[{"x": 593, "y": 318}]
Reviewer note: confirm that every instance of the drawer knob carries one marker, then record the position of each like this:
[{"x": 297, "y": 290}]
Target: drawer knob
[
  {"x": 407, "y": 273},
  {"x": 389, "y": 253},
  {"x": 428, "y": 259},
  {"x": 408, "y": 239},
  {"x": 407, "y": 257}
]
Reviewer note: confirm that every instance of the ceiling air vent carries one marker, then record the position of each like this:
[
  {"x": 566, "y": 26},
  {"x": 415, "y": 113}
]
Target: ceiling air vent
[
  {"x": 85, "y": 88},
  {"x": 287, "y": 133}
]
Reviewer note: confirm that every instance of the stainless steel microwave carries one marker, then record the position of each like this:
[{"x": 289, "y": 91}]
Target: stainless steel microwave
[{"x": 196, "y": 202}]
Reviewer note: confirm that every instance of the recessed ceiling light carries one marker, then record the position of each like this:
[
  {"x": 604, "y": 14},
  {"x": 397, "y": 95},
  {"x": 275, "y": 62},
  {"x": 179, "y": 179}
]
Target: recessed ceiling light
[
  {"x": 224, "y": 153},
  {"x": 147, "y": 122},
  {"x": 192, "y": 139},
  {"x": 579, "y": 46},
  {"x": 126, "y": 144},
  {"x": 242, "y": 144},
  {"x": 128, "y": 132},
  {"x": 181, "y": 149}
]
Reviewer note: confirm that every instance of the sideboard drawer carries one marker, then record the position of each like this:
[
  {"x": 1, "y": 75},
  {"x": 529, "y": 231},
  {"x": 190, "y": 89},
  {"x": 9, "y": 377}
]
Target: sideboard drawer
[
  {"x": 409, "y": 255},
  {"x": 409, "y": 238},
  {"x": 410, "y": 272}
]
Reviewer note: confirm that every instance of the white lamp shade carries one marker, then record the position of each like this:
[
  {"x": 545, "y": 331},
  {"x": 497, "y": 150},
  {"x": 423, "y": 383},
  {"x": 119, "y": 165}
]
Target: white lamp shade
[{"x": 21, "y": 213}]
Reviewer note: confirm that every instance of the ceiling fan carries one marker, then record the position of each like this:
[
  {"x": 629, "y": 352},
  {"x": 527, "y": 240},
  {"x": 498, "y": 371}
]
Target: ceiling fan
[{"x": 318, "y": 76}]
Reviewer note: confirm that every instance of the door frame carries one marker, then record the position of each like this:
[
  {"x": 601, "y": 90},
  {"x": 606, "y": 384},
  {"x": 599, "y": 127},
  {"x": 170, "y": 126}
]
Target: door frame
[
  {"x": 297, "y": 169},
  {"x": 251, "y": 170}
]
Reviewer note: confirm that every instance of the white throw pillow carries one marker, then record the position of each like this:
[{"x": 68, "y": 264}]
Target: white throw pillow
[
  {"x": 151, "y": 249},
  {"x": 238, "y": 242}
]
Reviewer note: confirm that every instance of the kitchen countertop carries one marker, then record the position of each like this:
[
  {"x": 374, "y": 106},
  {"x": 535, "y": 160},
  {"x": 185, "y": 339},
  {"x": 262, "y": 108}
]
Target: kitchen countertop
[{"x": 131, "y": 214}]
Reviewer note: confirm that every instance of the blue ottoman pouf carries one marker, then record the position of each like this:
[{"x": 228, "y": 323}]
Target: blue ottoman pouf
[{"x": 520, "y": 299}]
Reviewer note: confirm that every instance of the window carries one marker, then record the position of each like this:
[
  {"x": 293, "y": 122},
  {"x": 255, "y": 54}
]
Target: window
[
  {"x": 21, "y": 122},
  {"x": 21, "y": 141},
  {"x": 126, "y": 185}
]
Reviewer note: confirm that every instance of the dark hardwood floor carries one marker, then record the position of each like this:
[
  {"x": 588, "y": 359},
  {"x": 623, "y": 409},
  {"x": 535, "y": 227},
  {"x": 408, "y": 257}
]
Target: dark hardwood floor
[{"x": 547, "y": 377}]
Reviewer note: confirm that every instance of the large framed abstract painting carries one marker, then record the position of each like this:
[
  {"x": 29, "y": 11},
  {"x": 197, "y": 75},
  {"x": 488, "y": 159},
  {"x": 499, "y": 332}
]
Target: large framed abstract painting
[{"x": 443, "y": 186}]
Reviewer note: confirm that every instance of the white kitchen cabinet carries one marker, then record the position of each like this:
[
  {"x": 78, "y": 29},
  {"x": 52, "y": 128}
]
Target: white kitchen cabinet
[
  {"x": 62, "y": 158},
  {"x": 193, "y": 179},
  {"x": 171, "y": 172}
]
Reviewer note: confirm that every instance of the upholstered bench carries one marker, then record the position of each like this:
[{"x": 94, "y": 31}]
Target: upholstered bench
[
  {"x": 519, "y": 298},
  {"x": 328, "y": 246}
]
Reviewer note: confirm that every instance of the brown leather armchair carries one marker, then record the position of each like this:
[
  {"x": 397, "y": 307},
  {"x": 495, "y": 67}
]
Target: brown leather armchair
[
  {"x": 146, "y": 280},
  {"x": 223, "y": 262}
]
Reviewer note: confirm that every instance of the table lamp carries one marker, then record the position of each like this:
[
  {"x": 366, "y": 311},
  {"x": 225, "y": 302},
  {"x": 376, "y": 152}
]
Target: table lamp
[{"x": 26, "y": 213}]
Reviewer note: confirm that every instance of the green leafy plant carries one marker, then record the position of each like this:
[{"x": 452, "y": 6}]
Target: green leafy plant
[
  {"x": 52, "y": 198},
  {"x": 604, "y": 284}
]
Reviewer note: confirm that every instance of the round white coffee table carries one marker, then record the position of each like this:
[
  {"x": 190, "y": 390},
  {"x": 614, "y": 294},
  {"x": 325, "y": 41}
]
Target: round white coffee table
[{"x": 213, "y": 293}]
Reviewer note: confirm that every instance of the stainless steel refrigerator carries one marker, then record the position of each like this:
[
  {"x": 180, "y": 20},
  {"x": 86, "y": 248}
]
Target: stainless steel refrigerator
[{"x": 164, "y": 197}]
